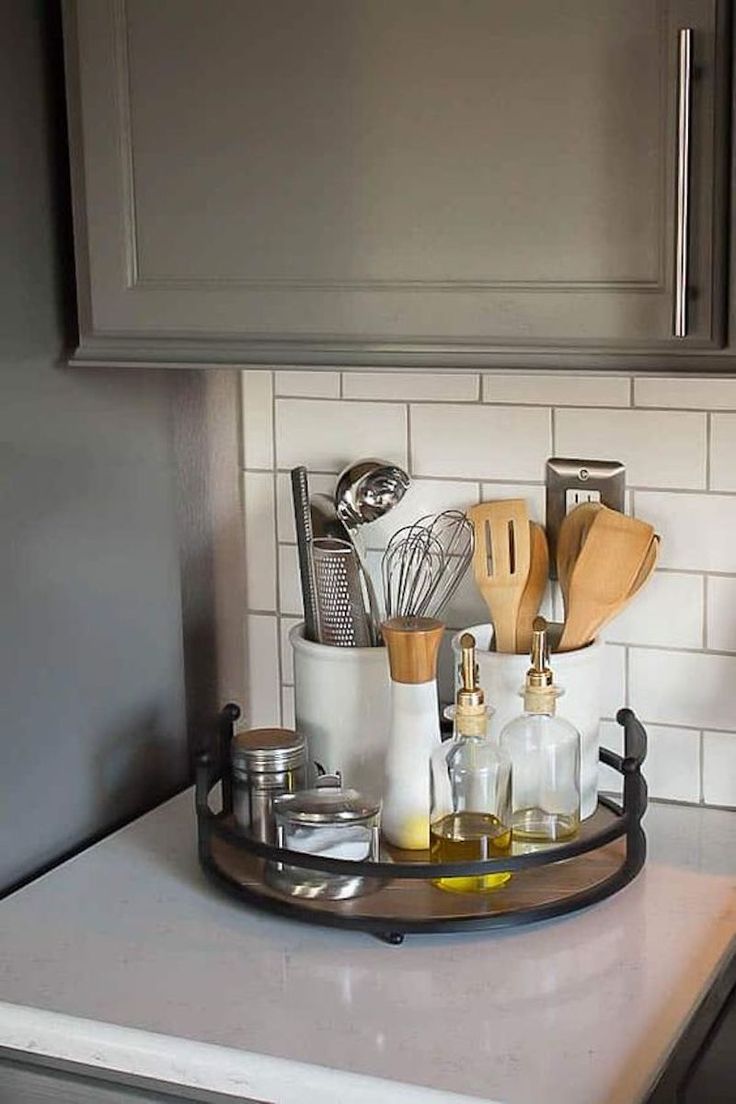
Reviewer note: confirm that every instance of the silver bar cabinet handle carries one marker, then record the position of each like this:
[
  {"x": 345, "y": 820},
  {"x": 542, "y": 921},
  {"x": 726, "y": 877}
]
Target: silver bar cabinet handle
[{"x": 684, "y": 98}]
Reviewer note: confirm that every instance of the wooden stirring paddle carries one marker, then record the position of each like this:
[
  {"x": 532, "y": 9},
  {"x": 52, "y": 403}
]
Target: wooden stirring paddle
[
  {"x": 535, "y": 586},
  {"x": 571, "y": 538},
  {"x": 603, "y": 575}
]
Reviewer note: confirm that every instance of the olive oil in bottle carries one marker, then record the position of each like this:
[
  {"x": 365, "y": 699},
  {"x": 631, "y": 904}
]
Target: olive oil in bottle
[
  {"x": 465, "y": 837},
  {"x": 470, "y": 789}
]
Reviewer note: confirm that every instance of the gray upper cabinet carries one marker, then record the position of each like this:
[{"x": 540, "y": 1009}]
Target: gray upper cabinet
[{"x": 398, "y": 181}]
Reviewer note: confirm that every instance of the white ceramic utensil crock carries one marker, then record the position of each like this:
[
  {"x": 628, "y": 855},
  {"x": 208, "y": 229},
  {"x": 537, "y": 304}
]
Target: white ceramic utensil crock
[
  {"x": 578, "y": 673},
  {"x": 343, "y": 708}
]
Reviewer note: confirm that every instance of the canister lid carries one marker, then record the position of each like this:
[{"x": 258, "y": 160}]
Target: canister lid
[
  {"x": 324, "y": 805},
  {"x": 267, "y": 749}
]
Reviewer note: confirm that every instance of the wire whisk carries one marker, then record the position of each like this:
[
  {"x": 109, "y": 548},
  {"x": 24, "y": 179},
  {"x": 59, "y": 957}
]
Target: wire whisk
[{"x": 424, "y": 563}]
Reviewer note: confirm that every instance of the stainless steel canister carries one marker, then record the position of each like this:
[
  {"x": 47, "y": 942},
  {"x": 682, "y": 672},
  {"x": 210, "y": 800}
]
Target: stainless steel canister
[
  {"x": 266, "y": 763},
  {"x": 332, "y": 823}
]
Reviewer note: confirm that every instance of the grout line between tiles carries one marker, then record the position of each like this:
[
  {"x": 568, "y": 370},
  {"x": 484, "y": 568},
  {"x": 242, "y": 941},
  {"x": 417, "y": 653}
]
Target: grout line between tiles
[
  {"x": 677, "y": 725},
  {"x": 708, "y": 439},
  {"x": 275, "y": 550},
  {"x": 702, "y": 492},
  {"x": 678, "y": 649},
  {"x": 701, "y": 767},
  {"x": 409, "y": 448},
  {"x": 705, "y": 612}
]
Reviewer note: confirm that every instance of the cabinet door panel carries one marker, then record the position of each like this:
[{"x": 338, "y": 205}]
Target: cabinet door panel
[{"x": 406, "y": 173}]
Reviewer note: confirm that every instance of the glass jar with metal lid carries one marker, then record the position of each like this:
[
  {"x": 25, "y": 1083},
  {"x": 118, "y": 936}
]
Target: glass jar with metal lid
[
  {"x": 266, "y": 762},
  {"x": 330, "y": 822}
]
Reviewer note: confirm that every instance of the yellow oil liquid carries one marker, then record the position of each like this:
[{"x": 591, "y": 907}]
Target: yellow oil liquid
[{"x": 467, "y": 837}]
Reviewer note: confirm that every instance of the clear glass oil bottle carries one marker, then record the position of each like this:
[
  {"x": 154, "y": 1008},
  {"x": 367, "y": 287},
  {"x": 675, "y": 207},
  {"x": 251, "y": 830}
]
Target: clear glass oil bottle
[
  {"x": 470, "y": 788},
  {"x": 545, "y": 755}
]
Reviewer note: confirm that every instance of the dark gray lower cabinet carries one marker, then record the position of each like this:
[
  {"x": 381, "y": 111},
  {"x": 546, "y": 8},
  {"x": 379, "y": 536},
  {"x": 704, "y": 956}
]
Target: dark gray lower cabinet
[
  {"x": 702, "y": 1067},
  {"x": 398, "y": 180},
  {"x": 31, "y": 1083}
]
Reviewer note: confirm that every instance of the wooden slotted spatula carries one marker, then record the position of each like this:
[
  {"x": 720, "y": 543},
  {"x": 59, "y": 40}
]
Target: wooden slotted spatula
[
  {"x": 534, "y": 589},
  {"x": 604, "y": 573},
  {"x": 501, "y": 563}
]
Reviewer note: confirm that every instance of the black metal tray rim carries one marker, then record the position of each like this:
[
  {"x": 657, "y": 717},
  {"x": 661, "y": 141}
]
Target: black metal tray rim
[{"x": 211, "y": 770}]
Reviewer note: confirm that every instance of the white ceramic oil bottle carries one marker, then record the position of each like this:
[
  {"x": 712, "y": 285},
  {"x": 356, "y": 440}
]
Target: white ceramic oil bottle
[{"x": 413, "y": 644}]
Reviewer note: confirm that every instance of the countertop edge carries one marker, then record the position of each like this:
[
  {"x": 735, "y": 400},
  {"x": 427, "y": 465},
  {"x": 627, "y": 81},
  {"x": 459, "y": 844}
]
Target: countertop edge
[{"x": 190, "y": 1064}]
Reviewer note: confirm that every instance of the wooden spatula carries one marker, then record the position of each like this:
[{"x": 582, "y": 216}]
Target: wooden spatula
[
  {"x": 604, "y": 573},
  {"x": 501, "y": 563},
  {"x": 535, "y": 587},
  {"x": 573, "y": 531}
]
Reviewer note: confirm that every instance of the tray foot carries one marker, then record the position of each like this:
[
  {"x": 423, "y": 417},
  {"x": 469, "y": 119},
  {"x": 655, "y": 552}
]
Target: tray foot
[{"x": 394, "y": 939}]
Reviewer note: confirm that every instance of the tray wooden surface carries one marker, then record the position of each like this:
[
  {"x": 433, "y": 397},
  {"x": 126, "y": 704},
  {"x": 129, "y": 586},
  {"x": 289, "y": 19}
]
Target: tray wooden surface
[{"x": 415, "y": 900}]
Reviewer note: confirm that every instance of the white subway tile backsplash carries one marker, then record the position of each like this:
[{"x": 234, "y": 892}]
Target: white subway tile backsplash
[
  {"x": 719, "y": 768},
  {"x": 260, "y": 527},
  {"x": 545, "y": 389},
  {"x": 723, "y": 452},
  {"x": 668, "y": 612},
  {"x": 611, "y": 736},
  {"x": 721, "y": 607},
  {"x": 464, "y": 450},
  {"x": 412, "y": 386},
  {"x": 326, "y": 435},
  {"x": 466, "y": 606},
  {"x": 659, "y": 448},
  {"x": 533, "y": 496},
  {"x": 480, "y": 442},
  {"x": 683, "y": 688},
  {"x": 681, "y": 392},
  {"x": 698, "y": 531},
  {"x": 613, "y": 690},
  {"x": 318, "y": 483},
  {"x": 257, "y": 418},
  {"x": 672, "y": 765},
  {"x": 289, "y": 584},
  {"x": 308, "y": 385},
  {"x": 263, "y": 707},
  {"x": 288, "y": 716}
]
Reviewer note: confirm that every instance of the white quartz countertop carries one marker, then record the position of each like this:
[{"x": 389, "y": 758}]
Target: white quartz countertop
[{"x": 126, "y": 958}]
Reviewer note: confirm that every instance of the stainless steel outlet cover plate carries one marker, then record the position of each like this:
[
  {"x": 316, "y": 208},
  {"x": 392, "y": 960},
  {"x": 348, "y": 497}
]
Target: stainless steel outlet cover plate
[{"x": 593, "y": 480}]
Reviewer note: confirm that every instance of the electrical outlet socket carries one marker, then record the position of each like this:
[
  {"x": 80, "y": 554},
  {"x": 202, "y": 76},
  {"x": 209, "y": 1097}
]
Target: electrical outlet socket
[
  {"x": 572, "y": 481},
  {"x": 574, "y": 497}
]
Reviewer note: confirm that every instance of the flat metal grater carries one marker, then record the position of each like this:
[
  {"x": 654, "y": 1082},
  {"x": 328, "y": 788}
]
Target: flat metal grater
[{"x": 341, "y": 611}]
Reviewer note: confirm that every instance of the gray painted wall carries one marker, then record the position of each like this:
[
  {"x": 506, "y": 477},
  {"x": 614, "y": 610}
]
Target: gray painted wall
[{"x": 92, "y": 700}]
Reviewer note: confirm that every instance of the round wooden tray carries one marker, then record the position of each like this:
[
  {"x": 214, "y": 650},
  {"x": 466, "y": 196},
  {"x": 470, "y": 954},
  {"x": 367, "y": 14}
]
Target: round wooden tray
[{"x": 552, "y": 881}]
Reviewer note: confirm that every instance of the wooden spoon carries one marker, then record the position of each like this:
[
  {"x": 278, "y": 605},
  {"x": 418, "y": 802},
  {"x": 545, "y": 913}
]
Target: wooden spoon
[
  {"x": 571, "y": 538},
  {"x": 535, "y": 587},
  {"x": 608, "y": 567},
  {"x": 501, "y": 563},
  {"x": 647, "y": 567}
]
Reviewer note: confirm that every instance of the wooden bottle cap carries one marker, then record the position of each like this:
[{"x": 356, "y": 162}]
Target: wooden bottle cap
[{"x": 413, "y": 644}]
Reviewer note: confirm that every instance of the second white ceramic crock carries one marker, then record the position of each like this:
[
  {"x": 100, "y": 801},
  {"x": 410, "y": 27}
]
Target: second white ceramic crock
[{"x": 578, "y": 673}]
